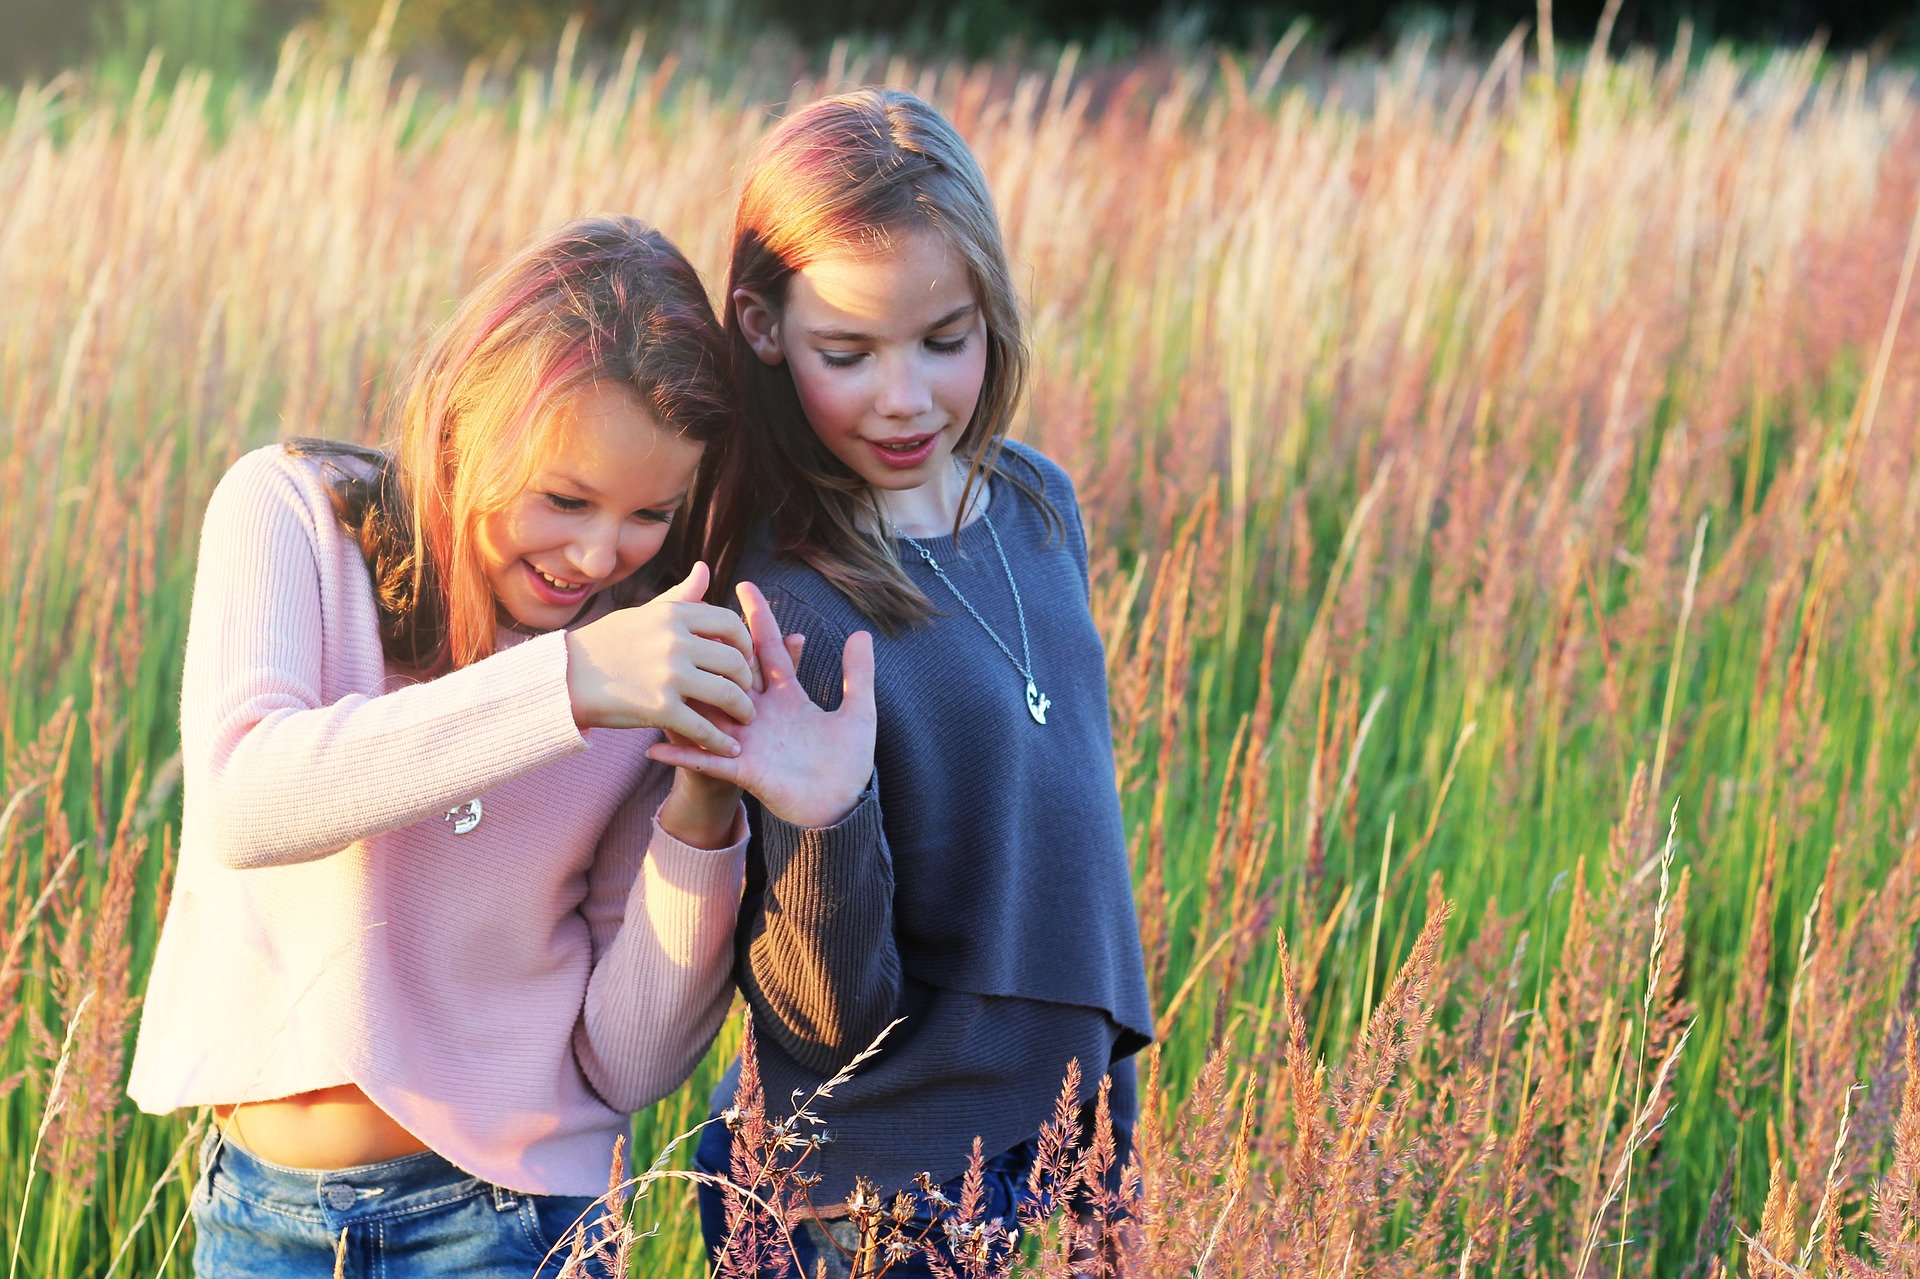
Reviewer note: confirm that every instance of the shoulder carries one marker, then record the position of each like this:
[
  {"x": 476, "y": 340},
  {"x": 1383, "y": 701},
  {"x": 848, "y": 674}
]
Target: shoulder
[
  {"x": 1043, "y": 483},
  {"x": 266, "y": 480},
  {"x": 1035, "y": 467},
  {"x": 294, "y": 467},
  {"x": 274, "y": 495},
  {"x": 1044, "y": 476}
]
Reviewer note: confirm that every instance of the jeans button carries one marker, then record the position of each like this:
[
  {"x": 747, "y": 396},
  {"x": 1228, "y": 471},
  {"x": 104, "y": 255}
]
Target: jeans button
[{"x": 340, "y": 1197}]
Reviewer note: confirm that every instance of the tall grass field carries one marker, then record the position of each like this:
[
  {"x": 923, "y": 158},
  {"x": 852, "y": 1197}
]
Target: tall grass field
[{"x": 1504, "y": 486}]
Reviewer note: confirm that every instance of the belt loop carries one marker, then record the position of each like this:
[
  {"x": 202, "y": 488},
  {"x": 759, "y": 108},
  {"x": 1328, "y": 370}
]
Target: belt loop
[
  {"x": 505, "y": 1200},
  {"x": 210, "y": 1145}
]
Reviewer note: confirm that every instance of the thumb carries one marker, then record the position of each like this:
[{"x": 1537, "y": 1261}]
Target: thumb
[
  {"x": 856, "y": 673},
  {"x": 693, "y": 587}
]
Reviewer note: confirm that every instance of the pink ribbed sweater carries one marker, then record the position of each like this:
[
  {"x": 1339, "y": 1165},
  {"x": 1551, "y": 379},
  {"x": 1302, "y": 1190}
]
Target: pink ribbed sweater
[{"x": 508, "y": 994}]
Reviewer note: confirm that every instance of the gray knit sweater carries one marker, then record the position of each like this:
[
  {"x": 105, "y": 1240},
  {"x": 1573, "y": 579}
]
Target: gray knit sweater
[{"x": 980, "y": 890}]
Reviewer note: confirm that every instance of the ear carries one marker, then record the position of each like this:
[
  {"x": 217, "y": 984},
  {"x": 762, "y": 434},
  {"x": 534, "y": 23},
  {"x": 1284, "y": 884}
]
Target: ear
[{"x": 759, "y": 325}]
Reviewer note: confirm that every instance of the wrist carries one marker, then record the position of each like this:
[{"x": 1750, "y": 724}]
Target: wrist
[
  {"x": 577, "y": 681},
  {"x": 699, "y": 811},
  {"x": 825, "y": 812}
]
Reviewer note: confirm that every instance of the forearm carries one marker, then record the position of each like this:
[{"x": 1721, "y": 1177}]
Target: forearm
[
  {"x": 822, "y": 967},
  {"x": 700, "y": 811},
  {"x": 275, "y": 778},
  {"x": 660, "y": 987}
]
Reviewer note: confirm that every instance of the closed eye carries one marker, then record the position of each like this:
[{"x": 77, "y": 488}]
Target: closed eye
[
  {"x": 842, "y": 359},
  {"x": 948, "y": 346},
  {"x": 654, "y": 517},
  {"x": 560, "y": 502}
]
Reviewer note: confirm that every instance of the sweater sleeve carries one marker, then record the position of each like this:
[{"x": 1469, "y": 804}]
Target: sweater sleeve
[
  {"x": 819, "y": 963},
  {"x": 278, "y": 774},
  {"x": 661, "y": 916}
]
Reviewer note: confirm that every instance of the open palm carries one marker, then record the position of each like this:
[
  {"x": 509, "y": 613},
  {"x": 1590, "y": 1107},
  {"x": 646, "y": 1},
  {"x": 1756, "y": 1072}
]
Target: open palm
[{"x": 806, "y": 766}]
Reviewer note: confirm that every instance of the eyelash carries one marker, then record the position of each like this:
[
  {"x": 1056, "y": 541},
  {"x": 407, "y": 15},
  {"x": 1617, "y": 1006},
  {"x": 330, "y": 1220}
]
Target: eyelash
[
  {"x": 574, "y": 505},
  {"x": 950, "y": 346}
]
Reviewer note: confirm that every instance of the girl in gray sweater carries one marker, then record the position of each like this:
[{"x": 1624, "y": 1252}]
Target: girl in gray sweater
[{"x": 979, "y": 889}]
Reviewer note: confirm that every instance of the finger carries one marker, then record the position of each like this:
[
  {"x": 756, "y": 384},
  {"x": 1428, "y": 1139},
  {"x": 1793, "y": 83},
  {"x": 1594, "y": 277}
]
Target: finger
[
  {"x": 722, "y": 695},
  {"x": 796, "y": 645},
  {"x": 723, "y": 660},
  {"x": 688, "y": 723},
  {"x": 694, "y": 760},
  {"x": 748, "y": 593},
  {"x": 710, "y": 621},
  {"x": 856, "y": 673},
  {"x": 693, "y": 586},
  {"x": 766, "y": 632}
]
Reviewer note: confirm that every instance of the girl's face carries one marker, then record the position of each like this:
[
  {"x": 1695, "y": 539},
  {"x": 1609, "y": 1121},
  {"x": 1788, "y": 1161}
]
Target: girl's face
[
  {"x": 602, "y": 494},
  {"x": 888, "y": 352}
]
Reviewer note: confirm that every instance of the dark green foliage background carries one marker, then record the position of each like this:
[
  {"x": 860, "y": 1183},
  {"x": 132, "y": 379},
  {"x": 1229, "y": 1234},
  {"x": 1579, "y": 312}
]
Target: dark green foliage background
[{"x": 44, "y": 36}]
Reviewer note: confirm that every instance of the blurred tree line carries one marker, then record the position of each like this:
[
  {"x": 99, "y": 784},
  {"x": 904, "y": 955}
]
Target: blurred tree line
[{"x": 38, "y": 37}]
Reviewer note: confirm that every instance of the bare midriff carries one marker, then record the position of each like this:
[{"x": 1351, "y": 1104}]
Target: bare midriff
[{"x": 326, "y": 1129}]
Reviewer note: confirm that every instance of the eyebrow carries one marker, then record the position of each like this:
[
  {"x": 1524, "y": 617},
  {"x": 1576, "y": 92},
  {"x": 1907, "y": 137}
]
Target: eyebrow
[
  {"x": 560, "y": 479},
  {"x": 954, "y": 316}
]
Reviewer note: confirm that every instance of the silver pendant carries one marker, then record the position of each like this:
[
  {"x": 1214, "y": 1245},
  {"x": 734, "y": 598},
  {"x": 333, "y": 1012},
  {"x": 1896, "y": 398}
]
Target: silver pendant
[
  {"x": 463, "y": 817},
  {"x": 1037, "y": 703}
]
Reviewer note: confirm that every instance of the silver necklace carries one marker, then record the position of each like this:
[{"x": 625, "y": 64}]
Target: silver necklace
[{"x": 1037, "y": 701}]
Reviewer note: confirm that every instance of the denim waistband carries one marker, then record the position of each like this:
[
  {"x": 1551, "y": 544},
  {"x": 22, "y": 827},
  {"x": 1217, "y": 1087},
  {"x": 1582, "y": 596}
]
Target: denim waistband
[{"x": 337, "y": 1197}]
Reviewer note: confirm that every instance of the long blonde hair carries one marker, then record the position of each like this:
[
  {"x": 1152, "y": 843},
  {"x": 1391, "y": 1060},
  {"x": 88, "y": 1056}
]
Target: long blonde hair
[
  {"x": 849, "y": 175},
  {"x": 601, "y": 300}
]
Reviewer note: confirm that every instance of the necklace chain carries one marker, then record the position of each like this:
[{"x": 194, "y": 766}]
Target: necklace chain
[
  {"x": 1037, "y": 702},
  {"x": 1024, "y": 667}
]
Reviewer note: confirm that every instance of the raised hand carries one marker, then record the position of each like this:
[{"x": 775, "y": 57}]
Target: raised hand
[
  {"x": 647, "y": 667},
  {"x": 805, "y": 765}
]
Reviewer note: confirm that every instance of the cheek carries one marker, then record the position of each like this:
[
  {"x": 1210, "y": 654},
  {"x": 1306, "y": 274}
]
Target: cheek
[
  {"x": 640, "y": 543},
  {"x": 507, "y": 535},
  {"x": 638, "y": 546},
  {"x": 961, "y": 387},
  {"x": 974, "y": 364},
  {"x": 832, "y": 404},
  {"x": 493, "y": 539}
]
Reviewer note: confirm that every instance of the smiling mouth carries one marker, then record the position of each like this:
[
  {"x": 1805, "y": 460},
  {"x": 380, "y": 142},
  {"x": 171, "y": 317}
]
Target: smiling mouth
[
  {"x": 556, "y": 590},
  {"x": 910, "y": 451}
]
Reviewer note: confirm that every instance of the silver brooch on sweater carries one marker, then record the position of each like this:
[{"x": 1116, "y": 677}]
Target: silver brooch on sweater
[{"x": 463, "y": 817}]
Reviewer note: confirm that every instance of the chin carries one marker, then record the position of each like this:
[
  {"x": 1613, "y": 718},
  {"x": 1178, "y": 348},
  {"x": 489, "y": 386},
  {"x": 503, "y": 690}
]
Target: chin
[
  {"x": 545, "y": 617},
  {"x": 904, "y": 481}
]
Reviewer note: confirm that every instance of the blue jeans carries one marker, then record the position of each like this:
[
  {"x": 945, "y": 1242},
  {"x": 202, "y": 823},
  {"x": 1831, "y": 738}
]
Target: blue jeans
[
  {"x": 418, "y": 1217},
  {"x": 1003, "y": 1183}
]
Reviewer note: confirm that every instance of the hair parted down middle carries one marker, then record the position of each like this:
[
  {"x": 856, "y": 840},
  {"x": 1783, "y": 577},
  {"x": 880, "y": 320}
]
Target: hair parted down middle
[
  {"x": 601, "y": 300},
  {"x": 849, "y": 176}
]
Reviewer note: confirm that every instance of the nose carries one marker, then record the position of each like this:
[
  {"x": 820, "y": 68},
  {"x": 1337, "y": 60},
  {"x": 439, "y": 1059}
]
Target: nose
[
  {"x": 595, "y": 550},
  {"x": 904, "y": 392}
]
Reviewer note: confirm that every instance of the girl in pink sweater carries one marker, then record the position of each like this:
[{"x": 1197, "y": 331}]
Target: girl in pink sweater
[{"x": 440, "y": 925}]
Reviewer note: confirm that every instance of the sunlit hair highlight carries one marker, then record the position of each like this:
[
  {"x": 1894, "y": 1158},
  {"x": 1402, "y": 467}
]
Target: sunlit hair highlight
[
  {"x": 605, "y": 300},
  {"x": 851, "y": 176}
]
